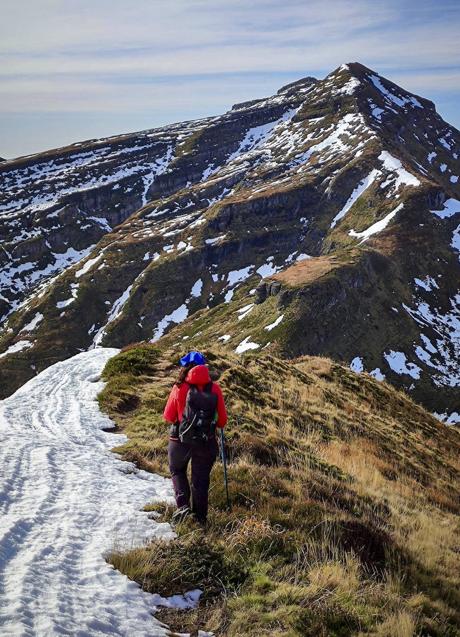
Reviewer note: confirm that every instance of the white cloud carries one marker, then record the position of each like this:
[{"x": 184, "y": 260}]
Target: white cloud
[
  {"x": 184, "y": 37},
  {"x": 117, "y": 56},
  {"x": 58, "y": 26}
]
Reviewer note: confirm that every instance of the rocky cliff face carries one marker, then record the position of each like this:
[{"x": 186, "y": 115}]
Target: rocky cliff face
[{"x": 334, "y": 202}]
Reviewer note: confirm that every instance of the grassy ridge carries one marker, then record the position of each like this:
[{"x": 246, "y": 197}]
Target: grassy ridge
[{"x": 345, "y": 505}]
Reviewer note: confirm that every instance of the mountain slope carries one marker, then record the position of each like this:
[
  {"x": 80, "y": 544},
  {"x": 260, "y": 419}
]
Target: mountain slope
[
  {"x": 345, "y": 501},
  {"x": 350, "y": 169}
]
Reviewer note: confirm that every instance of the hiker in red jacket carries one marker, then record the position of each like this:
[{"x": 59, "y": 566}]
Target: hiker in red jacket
[{"x": 195, "y": 408}]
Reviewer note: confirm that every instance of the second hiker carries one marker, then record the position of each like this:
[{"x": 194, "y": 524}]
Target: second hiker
[{"x": 195, "y": 408}]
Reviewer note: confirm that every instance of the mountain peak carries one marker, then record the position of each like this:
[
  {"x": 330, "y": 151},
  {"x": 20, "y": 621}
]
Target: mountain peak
[
  {"x": 143, "y": 230},
  {"x": 362, "y": 80}
]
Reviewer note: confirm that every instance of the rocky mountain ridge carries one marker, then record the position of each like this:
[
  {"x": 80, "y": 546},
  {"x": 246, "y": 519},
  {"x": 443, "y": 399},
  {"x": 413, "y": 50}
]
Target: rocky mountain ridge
[{"x": 333, "y": 203}]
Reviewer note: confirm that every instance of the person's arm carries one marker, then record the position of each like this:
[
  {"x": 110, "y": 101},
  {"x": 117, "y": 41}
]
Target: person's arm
[
  {"x": 221, "y": 411},
  {"x": 170, "y": 410}
]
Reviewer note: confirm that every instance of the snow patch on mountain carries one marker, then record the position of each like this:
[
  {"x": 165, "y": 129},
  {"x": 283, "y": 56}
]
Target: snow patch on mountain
[
  {"x": 349, "y": 87},
  {"x": 158, "y": 167},
  {"x": 246, "y": 345},
  {"x": 392, "y": 98},
  {"x": 377, "y": 374},
  {"x": 257, "y": 136},
  {"x": 357, "y": 365},
  {"x": 402, "y": 177},
  {"x": 234, "y": 277},
  {"x": 450, "y": 208},
  {"x": 268, "y": 268},
  {"x": 355, "y": 195},
  {"x": 66, "y": 500},
  {"x": 19, "y": 346},
  {"x": 63, "y": 304},
  {"x": 275, "y": 323},
  {"x": 26, "y": 277},
  {"x": 455, "y": 243},
  {"x": 197, "y": 288},
  {"x": 376, "y": 227},
  {"x": 443, "y": 355},
  {"x": 74, "y": 292},
  {"x": 34, "y": 323},
  {"x": 448, "y": 419},
  {"x": 214, "y": 240},
  {"x": 177, "y": 316},
  {"x": 376, "y": 111},
  {"x": 428, "y": 283},
  {"x": 114, "y": 313},
  {"x": 397, "y": 361},
  {"x": 88, "y": 265},
  {"x": 340, "y": 140},
  {"x": 244, "y": 311}
]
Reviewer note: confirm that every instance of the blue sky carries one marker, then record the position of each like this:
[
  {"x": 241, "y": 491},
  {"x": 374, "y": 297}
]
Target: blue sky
[{"x": 76, "y": 69}]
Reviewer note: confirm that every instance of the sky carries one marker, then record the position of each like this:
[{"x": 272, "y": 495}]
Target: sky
[{"x": 72, "y": 70}]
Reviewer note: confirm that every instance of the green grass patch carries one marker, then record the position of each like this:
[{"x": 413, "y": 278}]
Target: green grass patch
[{"x": 134, "y": 360}]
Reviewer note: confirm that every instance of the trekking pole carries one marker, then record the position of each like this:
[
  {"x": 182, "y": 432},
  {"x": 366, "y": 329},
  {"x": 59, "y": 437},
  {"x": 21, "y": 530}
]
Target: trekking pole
[{"x": 224, "y": 463}]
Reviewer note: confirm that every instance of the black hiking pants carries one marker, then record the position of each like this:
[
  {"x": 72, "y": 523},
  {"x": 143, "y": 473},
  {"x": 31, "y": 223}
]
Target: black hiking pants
[{"x": 202, "y": 457}]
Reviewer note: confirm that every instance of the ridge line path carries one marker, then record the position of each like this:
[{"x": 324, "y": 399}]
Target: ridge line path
[{"x": 65, "y": 500}]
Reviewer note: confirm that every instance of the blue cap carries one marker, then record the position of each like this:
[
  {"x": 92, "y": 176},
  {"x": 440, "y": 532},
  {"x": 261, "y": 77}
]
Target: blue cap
[{"x": 192, "y": 357}]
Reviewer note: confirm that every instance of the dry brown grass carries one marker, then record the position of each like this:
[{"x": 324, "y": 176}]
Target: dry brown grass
[
  {"x": 345, "y": 509},
  {"x": 307, "y": 271},
  {"x": 399, "y": 624}
]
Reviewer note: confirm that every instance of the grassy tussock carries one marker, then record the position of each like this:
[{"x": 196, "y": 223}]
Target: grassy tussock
[{"x": 345, "y": 508}]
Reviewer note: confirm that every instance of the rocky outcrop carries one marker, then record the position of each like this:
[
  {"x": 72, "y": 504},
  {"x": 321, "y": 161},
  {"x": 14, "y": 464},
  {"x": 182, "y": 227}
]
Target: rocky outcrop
[{"x": 265, "y": 289}]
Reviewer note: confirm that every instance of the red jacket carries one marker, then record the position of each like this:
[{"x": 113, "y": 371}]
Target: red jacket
[{"x": 199, "y": 376}]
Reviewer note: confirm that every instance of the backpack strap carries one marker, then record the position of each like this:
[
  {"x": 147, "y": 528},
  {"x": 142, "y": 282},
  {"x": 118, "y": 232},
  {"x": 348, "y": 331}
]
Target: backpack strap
[{"x": 208, "y": 389}]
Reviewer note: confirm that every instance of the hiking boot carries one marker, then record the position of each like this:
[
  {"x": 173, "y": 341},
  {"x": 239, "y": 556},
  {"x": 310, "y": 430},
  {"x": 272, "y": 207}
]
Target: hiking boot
[
  {"x": 200, "y": 520},
  {"x": 179, "y": 515}
]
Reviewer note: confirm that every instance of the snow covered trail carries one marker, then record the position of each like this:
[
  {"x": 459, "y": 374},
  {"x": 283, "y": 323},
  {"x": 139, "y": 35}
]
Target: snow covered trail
[{"x": 65, "y": 499}]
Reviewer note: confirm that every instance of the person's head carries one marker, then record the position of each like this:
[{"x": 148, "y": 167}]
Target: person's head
[{"x": 187, "y": 362}]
